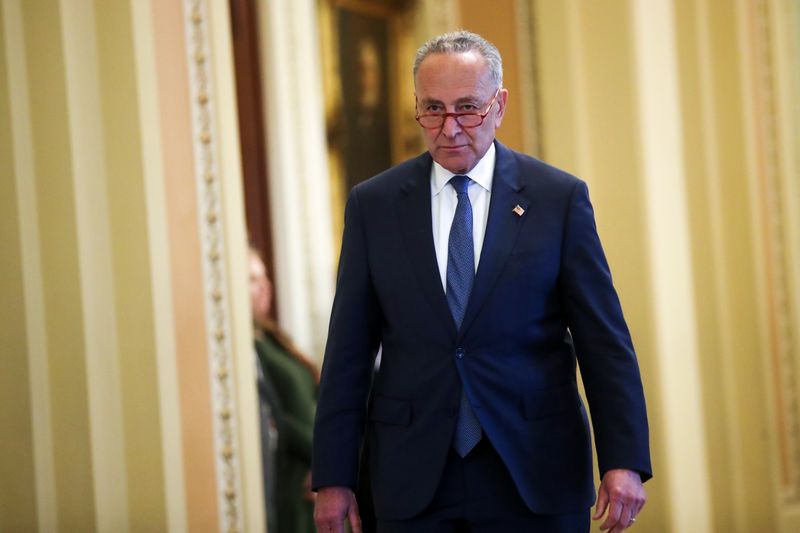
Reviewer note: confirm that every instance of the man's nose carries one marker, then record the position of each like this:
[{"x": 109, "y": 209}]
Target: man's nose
[{"x": 451, "y": 127}]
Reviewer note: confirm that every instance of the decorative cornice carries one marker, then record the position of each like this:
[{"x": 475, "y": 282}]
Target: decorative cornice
[{"x": 210, "y": 225}]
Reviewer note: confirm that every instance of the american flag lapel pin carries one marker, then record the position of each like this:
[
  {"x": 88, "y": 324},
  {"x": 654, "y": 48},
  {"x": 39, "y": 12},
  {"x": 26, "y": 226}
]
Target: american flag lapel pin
[{"x": 518, "y": 210}]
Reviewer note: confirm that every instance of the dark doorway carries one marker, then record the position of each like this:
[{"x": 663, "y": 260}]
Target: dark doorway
[{"x": 252, "y": 132}]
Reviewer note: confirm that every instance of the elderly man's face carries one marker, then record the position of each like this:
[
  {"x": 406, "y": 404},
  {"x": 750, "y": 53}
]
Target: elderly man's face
[{"x": 458, "y": 83}]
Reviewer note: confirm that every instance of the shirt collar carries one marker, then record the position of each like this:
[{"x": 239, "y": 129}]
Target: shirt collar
[{"x": 482, "y": 173}]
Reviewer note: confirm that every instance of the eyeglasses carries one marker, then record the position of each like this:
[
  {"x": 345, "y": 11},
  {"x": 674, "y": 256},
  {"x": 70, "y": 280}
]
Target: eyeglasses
[{"x": 466, "y": 120}]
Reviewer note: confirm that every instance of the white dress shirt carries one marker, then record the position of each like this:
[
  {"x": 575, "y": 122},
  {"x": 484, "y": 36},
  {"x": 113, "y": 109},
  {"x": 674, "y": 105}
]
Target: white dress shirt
[{"x": 443, "y": 207}]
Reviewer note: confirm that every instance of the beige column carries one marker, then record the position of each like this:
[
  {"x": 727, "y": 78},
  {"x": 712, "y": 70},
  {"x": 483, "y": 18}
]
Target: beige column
[
  {"x": 153, "y": 147},
  {"x": 63, "y": 311},
  {"x": 300, "y": 185},
  {"x": 605, "y": 80},
  {"x": 769, "y": 33},
  {"x": 669, "y": 238},
  {"x": 18, "y": 460},
  {"x": 678, "y": 116},
  {"x": 502, "y": 31}
]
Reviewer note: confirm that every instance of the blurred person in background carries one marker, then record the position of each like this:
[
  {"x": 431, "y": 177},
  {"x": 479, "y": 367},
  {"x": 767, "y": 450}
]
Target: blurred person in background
[{"x": 295, "y": 380}]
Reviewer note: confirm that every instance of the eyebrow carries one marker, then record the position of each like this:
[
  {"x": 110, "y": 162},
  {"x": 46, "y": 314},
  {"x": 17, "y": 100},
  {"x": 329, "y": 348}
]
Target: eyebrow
[{"x": 462, "y": 100}]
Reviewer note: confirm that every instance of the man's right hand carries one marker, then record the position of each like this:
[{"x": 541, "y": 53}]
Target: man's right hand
[{"x": 334, "y": 505}]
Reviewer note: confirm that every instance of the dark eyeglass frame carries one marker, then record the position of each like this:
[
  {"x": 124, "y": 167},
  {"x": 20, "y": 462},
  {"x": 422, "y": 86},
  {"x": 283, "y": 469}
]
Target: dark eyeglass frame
[{"x": 457, "y": 116}]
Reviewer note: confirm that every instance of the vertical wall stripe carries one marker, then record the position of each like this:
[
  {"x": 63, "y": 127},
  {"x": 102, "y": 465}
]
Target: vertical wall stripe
[
  {"x": 127, "y": 213},
  {"x": 87, "y": 139},
  {"x": 774, "y": 193},
  {"x": 63, "y": 301},
  {"x": 528, "y": 68},
  {"x": 235, "y": 232},
  {"x": 314, "y": 184},
  {"x": 502, "y": 31},
  {"x": 288, "y": 270},
  {"x": 556, "y": 84},
  {"x": 186, "y": 276},
  {"x": 163, "y": 312},
  {"x": 577, "y": 74},
  {"x": 209, "y": 174},
  {"x": 304, "y": 267},
  {"x": 721, "y": 47},
  {"x": 696, "y": 116},
  {"x": 670, "y": 263},
  {"x": 17, "y": 497},
  {"x": 35, "y": 326}
]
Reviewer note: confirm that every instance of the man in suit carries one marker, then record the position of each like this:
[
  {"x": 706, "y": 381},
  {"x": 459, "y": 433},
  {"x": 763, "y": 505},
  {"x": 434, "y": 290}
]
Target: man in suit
[{"x": 478, "y": 269}]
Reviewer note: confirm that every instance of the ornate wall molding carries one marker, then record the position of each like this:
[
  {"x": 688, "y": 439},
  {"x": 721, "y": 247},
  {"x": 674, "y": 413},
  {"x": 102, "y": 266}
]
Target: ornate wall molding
[
  {"x": 210, "y": 224},
  {"x": 528, "y": 68},
  {"x": 774, "y": 207}
]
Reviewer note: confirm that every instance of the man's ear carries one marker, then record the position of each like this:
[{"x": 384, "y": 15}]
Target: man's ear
[{"x": 502, "y": 100}]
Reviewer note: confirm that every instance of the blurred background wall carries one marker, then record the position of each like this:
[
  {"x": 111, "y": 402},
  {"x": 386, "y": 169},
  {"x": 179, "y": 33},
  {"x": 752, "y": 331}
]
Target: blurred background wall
[{"x": 143, "y": 143}]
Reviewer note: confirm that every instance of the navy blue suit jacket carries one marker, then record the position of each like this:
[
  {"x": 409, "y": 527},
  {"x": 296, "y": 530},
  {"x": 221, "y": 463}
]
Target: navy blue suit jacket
[{"x": 541, "y": 274}]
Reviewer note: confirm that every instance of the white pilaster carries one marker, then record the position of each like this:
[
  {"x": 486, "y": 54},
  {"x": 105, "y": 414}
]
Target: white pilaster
[
  {"x": 94, "y": 252},
  {"x": 669, "y": 237},
  {"x": 163, "y": 311},
  {"x": 36, "y": 334},
  {"x": 299, "y": 179}
]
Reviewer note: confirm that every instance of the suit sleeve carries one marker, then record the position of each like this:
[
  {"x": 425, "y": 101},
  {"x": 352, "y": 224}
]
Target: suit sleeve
[
  {"x": 603, "y": 345},
  {"x": 353, "y": 338}
]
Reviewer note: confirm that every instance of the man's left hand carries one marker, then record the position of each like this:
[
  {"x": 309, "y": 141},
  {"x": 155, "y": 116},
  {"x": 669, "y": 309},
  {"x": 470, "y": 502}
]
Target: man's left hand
[{"x": 622, "y": 494}]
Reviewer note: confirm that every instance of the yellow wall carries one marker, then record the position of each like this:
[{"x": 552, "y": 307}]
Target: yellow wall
[
  {"x": 730, "y": 158},
  {"x": 18, "y": 499},
  {"x": 113, "y": 417},
  {"x": 501, "y": 31},
  {"x": 590, "y": 127},
  {"x": 684, "y": 130}
]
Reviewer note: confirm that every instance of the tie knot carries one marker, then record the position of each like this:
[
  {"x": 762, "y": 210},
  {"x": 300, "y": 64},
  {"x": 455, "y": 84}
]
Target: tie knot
[{"x": 460, "y": 183}]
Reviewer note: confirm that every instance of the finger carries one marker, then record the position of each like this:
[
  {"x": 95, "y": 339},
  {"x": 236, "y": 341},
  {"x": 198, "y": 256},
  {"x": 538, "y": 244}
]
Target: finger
[
  {"x": 626, "y": 521},
  {"x": 639, "y": 506},
  {"x": 614, "y": 514},
  {"x": 625, "y": 524},
  {"x": 621, "y": 525},
  {"x": 354, "y": 517},
  {"x": 619, "y": 528},
  {"x": 627, "y": 518},
  {"x": 602, "y": 502},
  {"x": 635, "y": 509},
  {"x": 355, "y": 522}
]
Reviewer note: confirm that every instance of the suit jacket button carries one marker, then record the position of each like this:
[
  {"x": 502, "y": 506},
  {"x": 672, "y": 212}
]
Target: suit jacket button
[
  {"x": 449, "y": 412},
  {"x": 460, "y": 353}
]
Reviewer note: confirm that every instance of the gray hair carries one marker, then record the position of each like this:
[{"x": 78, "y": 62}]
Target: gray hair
[{"x": 459, "y": 42}]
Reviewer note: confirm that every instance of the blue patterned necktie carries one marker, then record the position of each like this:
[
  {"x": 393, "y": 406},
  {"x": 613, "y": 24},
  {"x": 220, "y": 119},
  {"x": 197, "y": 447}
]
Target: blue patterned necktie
[{"x": 460, "y": 275}]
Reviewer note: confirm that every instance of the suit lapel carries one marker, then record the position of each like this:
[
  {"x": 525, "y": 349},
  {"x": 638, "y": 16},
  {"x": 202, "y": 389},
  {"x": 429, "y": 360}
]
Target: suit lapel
[
  {"x": 502, "y": 229},
  {"x": 414, "y": 210}
]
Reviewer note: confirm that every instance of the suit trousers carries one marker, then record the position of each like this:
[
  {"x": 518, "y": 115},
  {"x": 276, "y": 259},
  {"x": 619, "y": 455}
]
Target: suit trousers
[{"x": 477, "y": 495}]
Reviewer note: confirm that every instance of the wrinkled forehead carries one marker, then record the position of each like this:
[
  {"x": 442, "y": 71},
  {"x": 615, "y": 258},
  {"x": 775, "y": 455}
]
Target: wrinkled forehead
[
  {"x": 454, "y": 67},
  {"x": 449, "y": 80}
]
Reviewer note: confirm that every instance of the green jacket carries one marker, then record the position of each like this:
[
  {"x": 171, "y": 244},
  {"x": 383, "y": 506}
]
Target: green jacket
[{"x": 296, "y": 389}]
